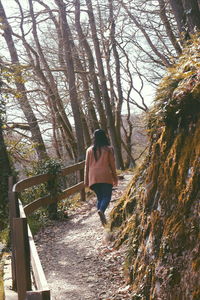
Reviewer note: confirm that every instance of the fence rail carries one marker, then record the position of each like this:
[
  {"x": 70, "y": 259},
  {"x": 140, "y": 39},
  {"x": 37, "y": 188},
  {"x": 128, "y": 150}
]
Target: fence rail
[{"x": 26, "y": 265}]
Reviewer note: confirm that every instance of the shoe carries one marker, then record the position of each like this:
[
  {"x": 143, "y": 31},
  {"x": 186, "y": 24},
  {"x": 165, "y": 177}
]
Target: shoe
[{"x": 102, "y": 217}]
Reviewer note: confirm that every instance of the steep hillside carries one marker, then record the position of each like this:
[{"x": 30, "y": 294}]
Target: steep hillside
[{"x": 159, "y": 216}]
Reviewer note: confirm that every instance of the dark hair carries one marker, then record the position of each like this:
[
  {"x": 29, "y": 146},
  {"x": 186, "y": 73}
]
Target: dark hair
[{"x": 100, "y": 140}]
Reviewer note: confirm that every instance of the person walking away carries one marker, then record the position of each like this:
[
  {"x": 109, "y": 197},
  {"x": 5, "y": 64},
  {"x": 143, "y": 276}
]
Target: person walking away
[{"x": 100, "y": 171}]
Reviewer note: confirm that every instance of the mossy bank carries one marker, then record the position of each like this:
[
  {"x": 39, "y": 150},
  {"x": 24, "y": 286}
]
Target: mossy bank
[{"x": 158, "y": 217}]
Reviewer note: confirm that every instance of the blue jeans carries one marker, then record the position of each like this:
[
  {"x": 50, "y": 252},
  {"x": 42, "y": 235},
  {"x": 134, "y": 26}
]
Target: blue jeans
[{"x": 104, "y": 193}]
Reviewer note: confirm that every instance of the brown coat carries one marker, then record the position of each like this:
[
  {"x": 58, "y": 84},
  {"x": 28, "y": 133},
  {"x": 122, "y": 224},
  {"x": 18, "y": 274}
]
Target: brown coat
[{"x": 101, "y": 171}]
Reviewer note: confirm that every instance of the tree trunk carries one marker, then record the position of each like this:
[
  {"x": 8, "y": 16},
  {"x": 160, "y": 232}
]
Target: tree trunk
[
  {"x": 4, "y": 160},
  {"x": 86, "y": 132},
  {"x": 198, "y": 3},
  {"x": 53, "y": 96},
  {"x": 93, "y": 77},
  {"x": 93, "y": 122},
  {"x": 21, "y": 90},
  {"x": 57, "y": 108},
  {"x": 178, "y": 10},
  {"x": 72, "y": 80},
  {"x": 5, "y": 172},
  {"x": 187, "y": 15},
  {"x": 192, "y": 13},
  {"x": 118, "y": 75},
  {"x": 106, "y": 99},
  {"x": 168, "y": 28},
  {"x": 55, "y": 141}
]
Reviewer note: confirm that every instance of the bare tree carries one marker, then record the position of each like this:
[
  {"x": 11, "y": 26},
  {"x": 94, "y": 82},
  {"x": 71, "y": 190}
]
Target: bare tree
[
  {"x": 168, "y": 27},
  {"x": 117, "y": 72},
  {"x": 178, "y": 10},
  {"x": 80, "y": 71},
  {"x": 105, "y": 95},
  {"x": 162, "y": 57},
  {"x": 96, "y": 58},
  {"x": 54, "y": 101},
  {"x": 4, "y": 167},
  {"x": 187, "y": 15},
  {"x": 71, "y": 79},
  {"x": 21, "y": 89},
  {"x": 94, "y": 80}
]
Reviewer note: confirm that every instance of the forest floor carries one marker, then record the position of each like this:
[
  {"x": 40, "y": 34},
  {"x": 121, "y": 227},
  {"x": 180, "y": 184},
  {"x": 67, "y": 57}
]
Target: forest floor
[{"x": 78, "y": 259}]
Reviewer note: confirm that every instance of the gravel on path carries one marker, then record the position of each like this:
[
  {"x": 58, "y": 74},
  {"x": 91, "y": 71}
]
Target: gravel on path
[{"x": 78, "y": 262}]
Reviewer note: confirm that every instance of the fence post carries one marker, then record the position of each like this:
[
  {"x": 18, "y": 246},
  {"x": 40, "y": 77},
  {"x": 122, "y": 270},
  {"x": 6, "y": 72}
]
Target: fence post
[
  {"x": 22, "y": 257},
  {"x": 13, "y": 213},
  {"x": 81, "y": 172},
  {"x": 38, "y": 295}
]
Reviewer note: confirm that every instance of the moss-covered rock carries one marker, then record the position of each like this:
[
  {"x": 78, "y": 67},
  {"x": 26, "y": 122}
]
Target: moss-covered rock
[{"x": 158, "y": 217}]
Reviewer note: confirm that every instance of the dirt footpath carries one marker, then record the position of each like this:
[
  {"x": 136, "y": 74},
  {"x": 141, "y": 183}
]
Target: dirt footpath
[{"x": 78, "y": 263}]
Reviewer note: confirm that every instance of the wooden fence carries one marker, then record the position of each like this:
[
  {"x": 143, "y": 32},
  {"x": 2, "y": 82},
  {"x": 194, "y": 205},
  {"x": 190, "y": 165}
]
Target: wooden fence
[{"x": 26, "y": 265}]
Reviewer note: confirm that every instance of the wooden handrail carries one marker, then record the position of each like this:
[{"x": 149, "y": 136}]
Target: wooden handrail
[
  {"x": 38, "y": 295},
  {"x": 38, "y": 273},
  {"x": 21, "y": 210},
  {"x": 42, "y": 290},
  {"x": 70, "y": 169},
  {"x": 38, "y": 179},
  {"x": 29, "y": 182},
  {"x": 31, "y": 207},
  {"x": 14, "y": 212},
  {"x": 22, "y": 257}
]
